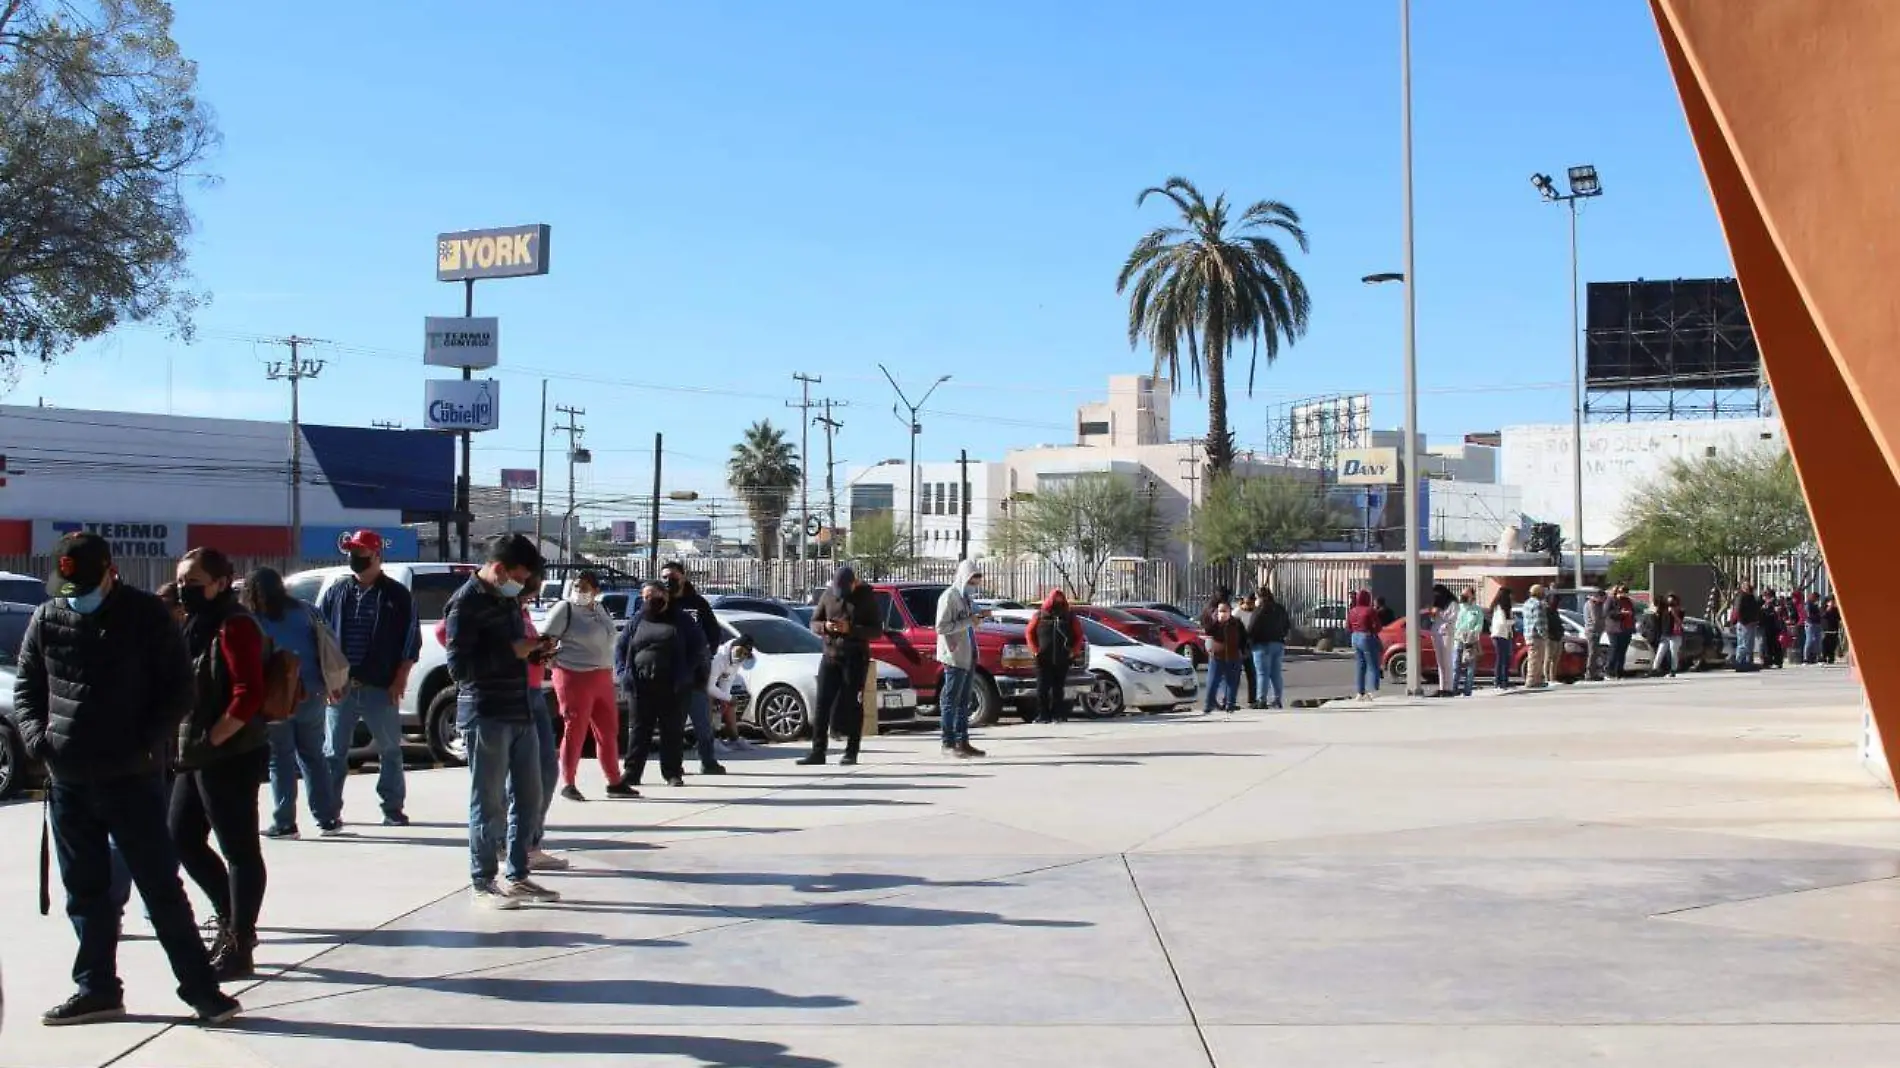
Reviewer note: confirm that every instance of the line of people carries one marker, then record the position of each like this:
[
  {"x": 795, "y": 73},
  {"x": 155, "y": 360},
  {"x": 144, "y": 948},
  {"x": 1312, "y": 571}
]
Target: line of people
[
  {"x": 1245, "y": 640},
  {"x": 1770, "y": 625}
]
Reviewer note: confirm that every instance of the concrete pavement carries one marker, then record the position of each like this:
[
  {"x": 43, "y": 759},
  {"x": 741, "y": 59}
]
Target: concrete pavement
[{"x": 1649, "y": 873}]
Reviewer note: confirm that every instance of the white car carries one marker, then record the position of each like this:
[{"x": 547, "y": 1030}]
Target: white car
[
  {"x": 1640, "y": 658},
  {"x": 428, "y": 705},
  {"x": 1128, "y": 674},
  {"x": 782, "y": 677}
]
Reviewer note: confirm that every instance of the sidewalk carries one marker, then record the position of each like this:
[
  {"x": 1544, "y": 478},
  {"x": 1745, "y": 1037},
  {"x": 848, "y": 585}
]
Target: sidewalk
[{"x": 1659, "y": 874}]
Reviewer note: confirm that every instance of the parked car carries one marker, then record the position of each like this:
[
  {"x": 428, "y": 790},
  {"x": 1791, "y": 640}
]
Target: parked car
[
  {"x": 22, "y": 589},
  {"x": 1177, "y": 634},
  {"x": 1127, "y": 673},
  {"x": 16, "y": 771},
  {"x": 1570, "y": 664},
  {"x": 1159, "y": 606},
  {"x": 1124, "y": 622},
  {"x": 1324, "y": 620},
  {"x": 782, "y": 678},
  {"x": 745, "y": 602},
  {"x": 1005, "y": 668},
  {"x": 428, "y": 705}
]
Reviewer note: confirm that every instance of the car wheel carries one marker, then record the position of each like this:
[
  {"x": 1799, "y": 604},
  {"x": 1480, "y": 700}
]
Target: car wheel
[
  {"x": 12, "y": 761},
  {"x": 445, "y": 740},
  {"x": 989, "y": 703},
  {"x": 780, "y": 714},
  {"x": 1397, "y": 666},
  {"x": 1105, "y": 697}
]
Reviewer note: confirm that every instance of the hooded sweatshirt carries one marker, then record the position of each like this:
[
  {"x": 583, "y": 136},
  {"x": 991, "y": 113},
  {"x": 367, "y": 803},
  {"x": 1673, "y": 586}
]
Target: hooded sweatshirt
[
  {"x": 1362, "y": 618},
  {"x": 956, "y": 621},
  {"x": 1056, "y": 605}
]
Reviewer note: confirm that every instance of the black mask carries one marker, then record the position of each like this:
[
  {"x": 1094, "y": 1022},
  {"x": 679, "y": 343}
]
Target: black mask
[
  {"x": 193, "y": 598},
  {"x": 360, "y": 564},
  {"x": 673, "y": 584},
  {"x": 656, "y": 607}
]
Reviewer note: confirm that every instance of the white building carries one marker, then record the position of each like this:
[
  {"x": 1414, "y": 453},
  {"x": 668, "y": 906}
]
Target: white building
[
  {"x": 1618, "y": 459},
  {"x": 942, "y": 503}
]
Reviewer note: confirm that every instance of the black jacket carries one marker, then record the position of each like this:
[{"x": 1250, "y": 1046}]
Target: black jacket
[
  {"x": 858, "y": 608},
  {"x": 1270, "y": 623},
  {"x": 664, "y": 654},
  {"x": 701, "y": 614},
  {"x": 483, "y": 627},
  {"x": 100, "y": 697}
]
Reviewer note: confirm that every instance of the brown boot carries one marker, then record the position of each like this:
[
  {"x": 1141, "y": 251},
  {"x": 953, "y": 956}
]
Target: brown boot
[{"x": 968, "y": 751}]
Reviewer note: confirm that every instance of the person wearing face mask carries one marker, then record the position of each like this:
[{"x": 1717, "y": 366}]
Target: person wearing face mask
[
  {"x": 101, "y": 684},
  {"x": 488, "y": 650},
  {"x": 731, "y": 658},
  {"x": 374, "y": 619},
  {"x": 847, "y": 618},
  {"x": 223, "y": 751},
  {"x": 683, "y": 596},
  {"x": 957, "y": 618},
  {"x": 660, "y": 660},
  {"x": 584, "y": 685}
]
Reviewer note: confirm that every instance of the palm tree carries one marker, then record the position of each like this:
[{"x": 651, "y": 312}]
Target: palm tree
[
  {"x": 1212, "y": 283},
  {"x": 764, "y": 471}
]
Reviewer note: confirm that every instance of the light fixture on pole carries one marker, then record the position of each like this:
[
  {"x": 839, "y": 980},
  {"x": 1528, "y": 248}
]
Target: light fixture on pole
[
  {"x": 916, "y": 428},
  {"x": 1584, "y": 184}
]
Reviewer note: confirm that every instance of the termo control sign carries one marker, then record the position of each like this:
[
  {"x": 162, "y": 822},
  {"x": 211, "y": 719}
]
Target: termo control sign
[{"x": 458, "y": 404}]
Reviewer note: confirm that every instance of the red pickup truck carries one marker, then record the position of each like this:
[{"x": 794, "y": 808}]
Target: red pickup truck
[{"x": 1006, "y": 670}]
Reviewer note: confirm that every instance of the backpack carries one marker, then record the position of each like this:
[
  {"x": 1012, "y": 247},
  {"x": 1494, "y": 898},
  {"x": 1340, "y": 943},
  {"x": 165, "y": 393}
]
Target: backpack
[{"x": 283, "y": 685}]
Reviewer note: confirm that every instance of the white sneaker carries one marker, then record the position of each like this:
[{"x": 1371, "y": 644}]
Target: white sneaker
[
  {"x": 741, "y": 744},
  {"x": 542, "y": 860},
  {"x": 528, "y": 891},
  {"x": 487, "y": 895}
]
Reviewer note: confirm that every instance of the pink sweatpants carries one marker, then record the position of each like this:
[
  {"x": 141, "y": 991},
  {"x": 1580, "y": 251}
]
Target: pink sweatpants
[{"x": 587, "y": 705}]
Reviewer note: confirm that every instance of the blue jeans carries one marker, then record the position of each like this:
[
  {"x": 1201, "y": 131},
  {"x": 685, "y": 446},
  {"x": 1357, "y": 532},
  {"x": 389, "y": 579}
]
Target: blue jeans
[
  {"x": 550, "y": 764},
  {"x": 699, "y": 710},
  {"x": 1745, "y": 644},
  {"x": 296, "y": 751},
  {"x": 87, "y": 819},
  {"x": 1464, "y": 667},
  {"x": 1811, "y": 647},
  {"x": 502, "y": 754},
  {"x": 955, "y": 699},
  {"x": 1269, "y": 672},
  {"x": 1223, "y": 676},
  {"x": 374, "y": 708},
  {"x": 1365, "y": 655},
  {"x": 1502, "y": 647}
]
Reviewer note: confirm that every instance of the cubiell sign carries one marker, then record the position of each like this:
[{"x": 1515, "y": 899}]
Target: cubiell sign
[
  {"x": 458, "y": 404},
  {"x": 508, "y": 252}
]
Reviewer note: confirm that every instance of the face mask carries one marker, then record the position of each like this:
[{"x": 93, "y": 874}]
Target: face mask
[
  {"x": 360, "y": 564},
  {"x": 509, "y": 588},
  {"x": 586, "y": 598},
  {"x": 655, "y": 606},
  {"x": 672, "y": 583},
  {"x": 87, "y": 603},
  {"x": 194, "y": 598}
]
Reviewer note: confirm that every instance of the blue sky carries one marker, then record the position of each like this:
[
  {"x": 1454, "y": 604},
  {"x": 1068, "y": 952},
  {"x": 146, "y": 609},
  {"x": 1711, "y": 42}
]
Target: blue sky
[{"x": 739, "y": 191}]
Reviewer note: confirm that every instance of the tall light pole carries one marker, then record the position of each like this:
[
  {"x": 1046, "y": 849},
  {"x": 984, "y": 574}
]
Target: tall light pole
[
  {"x": 916, "y": 428},
  {"x": 1583, "y": 185},
  {"x": 1414, "y": 666}
]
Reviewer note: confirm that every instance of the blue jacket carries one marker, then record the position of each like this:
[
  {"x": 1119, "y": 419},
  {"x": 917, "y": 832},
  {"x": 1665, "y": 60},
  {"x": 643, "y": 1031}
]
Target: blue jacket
[
  {"x": 395, "y": 638},
  {"x": 491, "y": 681}
]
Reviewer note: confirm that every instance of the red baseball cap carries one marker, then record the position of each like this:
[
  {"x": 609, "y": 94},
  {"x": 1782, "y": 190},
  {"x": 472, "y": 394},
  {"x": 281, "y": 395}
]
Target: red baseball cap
[{"x": 361, "y": 541}]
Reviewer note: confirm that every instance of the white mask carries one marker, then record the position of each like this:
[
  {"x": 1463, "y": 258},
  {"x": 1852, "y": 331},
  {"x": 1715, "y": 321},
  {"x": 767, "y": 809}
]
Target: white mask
[{"x": 586, "y": 598}]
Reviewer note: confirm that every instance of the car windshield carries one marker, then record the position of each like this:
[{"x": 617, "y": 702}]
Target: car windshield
[
  {"x": 772, "y": 635},
  {"x": 18, "y": 590},
  {"x": 1096, "y": 634},
  {"x": 432, "y": 590},
  {"x": 1119, "y": 615}
]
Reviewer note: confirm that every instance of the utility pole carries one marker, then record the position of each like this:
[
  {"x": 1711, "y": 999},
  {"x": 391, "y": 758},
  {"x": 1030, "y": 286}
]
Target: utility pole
[
  {"x": 653, "y": 528},
  {"x": 574, "y": 431},
  {"x": 1193, "y": 478},
  {"x": 832, "y": 426},
  {"x": 294, "y": 371},
  {"x": 963, "y": 504},
  {"x": 541, "y": 469},
  {"x": 804, "y": 407}
]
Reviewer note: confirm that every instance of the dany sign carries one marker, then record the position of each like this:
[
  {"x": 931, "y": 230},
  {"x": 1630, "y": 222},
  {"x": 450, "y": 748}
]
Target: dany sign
[
  {"x": 1367, "y": 467},
  {"x": 507, "y": 252}
]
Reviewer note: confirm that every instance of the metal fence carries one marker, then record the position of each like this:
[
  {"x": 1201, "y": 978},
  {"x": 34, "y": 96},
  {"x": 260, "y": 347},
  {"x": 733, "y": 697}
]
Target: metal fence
[{"x": 150, "y": 574}]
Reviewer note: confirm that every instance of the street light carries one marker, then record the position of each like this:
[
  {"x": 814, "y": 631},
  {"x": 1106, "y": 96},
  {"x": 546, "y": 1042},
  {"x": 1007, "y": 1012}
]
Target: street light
[
  {"x": 1414, "y": 667},
  {"x": 916, "y": 428},
  {"x": 1584, "y": 184}
]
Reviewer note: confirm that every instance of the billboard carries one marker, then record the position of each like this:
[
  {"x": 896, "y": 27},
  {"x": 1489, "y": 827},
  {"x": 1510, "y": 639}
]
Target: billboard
[
  {"x": 142, "y": 539},
  {"x": 459, "y": 342},
  {"x": 1691, "y": 333},
  {"x": 1318, "y": 428},
  {"x": 506, "y": 252},
  {"x": 520, "y": 478},
  {"x": 625, "y": 532},
  {"x": 1367, "y": 467},
  {"x": 461, "y": 404},
  {"x": 685, "y": 530}
]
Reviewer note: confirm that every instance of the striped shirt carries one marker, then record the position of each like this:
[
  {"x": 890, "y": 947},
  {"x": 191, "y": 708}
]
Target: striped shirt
[{"x": 361, "y": 605}]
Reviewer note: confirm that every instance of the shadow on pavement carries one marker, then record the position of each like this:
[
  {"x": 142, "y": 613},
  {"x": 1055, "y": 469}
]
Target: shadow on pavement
[
  {"x": 437, "y": 938},
  {"x": 556, "y": 991},
  {"x": 797, "y": 882},
  {"x": 850, "y": 914},
  {"x": 709, "y": 1052}
]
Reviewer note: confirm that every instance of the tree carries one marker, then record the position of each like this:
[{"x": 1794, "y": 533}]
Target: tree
[
  {"x": 763, "y": 473},
  {"x": 1079, "y": 524},
  {"x": 1720, "y": 511},
  {"x": 879, "y": 546},
  {"x": 1264, "y": 518},
  {"x": 99, "y": 136},
  {"x": 1209, "y": 284}
]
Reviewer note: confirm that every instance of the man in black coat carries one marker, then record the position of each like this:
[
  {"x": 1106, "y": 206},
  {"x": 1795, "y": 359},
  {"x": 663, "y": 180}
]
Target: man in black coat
[
  {"x": 847, "y": 619},
  {"x": 660, "y": 660},
  {"x": 685, "y": 598},
  {"x": 102, "y": 684}
]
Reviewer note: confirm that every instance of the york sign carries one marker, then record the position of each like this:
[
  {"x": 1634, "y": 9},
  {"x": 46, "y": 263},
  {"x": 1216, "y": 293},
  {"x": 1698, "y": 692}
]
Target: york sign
[
  {"x": 1367, "y": 467},
  {"x": 508, "y": 252},
  {"x": 456, "y": 404}
]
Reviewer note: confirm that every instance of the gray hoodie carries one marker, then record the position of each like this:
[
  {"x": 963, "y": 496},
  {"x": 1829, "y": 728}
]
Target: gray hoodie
[{"x": 956, "y": 622}]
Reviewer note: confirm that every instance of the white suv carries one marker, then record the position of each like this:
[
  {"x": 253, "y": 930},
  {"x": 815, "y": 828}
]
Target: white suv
[{"x": 428, "y": 706}]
